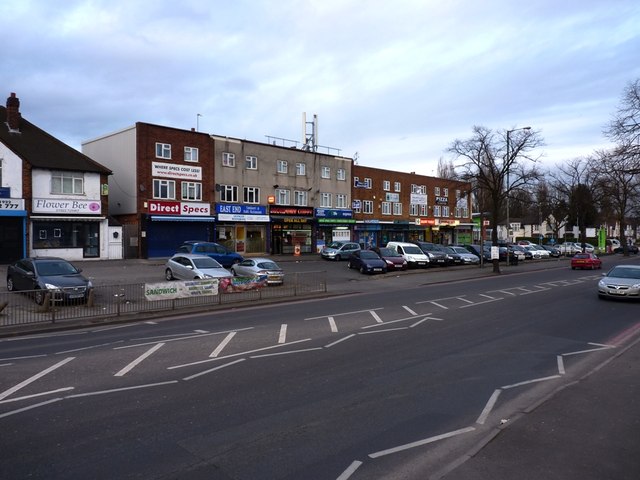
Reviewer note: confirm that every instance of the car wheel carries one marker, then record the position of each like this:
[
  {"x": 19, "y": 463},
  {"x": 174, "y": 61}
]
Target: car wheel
[
  {"x": 233, "y": 272},
  {"x": 338, "y": 258},
  {"x": 39, "y": 296},
  {"x": 10, "y": 286},
  {"x": 349, "y": 264},
  {"x": 362, "y": 270},
  {"x": 168, "y": 274}
]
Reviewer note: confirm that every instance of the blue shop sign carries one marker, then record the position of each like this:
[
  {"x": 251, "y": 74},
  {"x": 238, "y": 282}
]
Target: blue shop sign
[
  {"x": 331, "y": 213},
  {"x": 235, "y": 209}
]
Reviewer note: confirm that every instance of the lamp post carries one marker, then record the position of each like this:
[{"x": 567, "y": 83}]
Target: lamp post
[{"x": 508, "y": 167}]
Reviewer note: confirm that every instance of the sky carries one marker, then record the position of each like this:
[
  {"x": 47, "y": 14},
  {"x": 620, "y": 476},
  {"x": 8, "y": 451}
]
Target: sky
[{"x": 393, "y": 83}]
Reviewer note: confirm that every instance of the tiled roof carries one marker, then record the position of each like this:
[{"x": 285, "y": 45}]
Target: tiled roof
[{"x": 41, "y": 150}]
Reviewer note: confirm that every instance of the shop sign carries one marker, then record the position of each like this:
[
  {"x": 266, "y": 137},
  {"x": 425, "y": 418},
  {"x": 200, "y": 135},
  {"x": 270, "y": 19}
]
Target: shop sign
[
  {"x": 241, "y": 209},
  {"x": 442, "y": 200},
  {"x": 336, "y": 220},
  {"x": 418, "y": 199},
  {"x": 392, "y": 197},
  {"x": 425, "y": 221},
  {"x": 297, "y": 211},
  {"x": 68, "y": 206},
  {"x": 356, "y": 204},
  {"x": 173, "y": 170},
  {"x": 179, "y": 208},
  {"x": 168, "y": 291},
  {"x": 11, "y": 204},
  {"x": 5, "y": 192},
  {"x": 331, "y": 213}
]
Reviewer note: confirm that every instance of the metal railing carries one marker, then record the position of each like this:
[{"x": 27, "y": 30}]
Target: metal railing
[{"x": 21, "y": 308}]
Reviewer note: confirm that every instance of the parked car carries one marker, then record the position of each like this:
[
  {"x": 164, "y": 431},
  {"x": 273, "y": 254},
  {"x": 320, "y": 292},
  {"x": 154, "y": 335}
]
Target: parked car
[
  {"x": 585, "y": 260},
  {"x": 528, "y": 254},
  {"x": 485, "y": 252},
  {"x": 414, "y": 256},
  {"x": 367, "y": 261},
  {"x": 394, "y": 260},
  {"x": 544, "y": 253},
  {"x": 630, "y": 248},
  {"x": 189, "y": 266},
  {"x": 53, "y": 275},
  {"x": 453, "y": 257},
  {"x": 257, "y": 266},
  {"x": 516, "y": 252},
  {"x": 340, "y": 250},
  {"x": 468, "y": 258},
  {"x": 553, "y": 251},
  {"x": 569, "y": 249},
  {"x": 622, "y": 281},
  {"x": 436, "y": 256},
  {"x": 588, "y": 248},
  {"x": 218, "y": 252}
]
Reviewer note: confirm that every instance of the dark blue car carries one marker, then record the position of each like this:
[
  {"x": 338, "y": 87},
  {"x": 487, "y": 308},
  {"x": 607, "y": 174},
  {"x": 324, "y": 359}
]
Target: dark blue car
[
  {"x": 367, "y": 261},
  {"x": 214, "y": 250}
]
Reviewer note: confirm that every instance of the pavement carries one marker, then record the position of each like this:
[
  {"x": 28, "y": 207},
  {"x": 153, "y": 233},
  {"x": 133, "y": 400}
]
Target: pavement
[{"x": 588, "y": 429}]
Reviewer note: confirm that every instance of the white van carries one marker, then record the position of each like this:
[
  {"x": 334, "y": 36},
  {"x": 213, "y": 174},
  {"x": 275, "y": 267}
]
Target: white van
[{"x": 412, "y": 253}]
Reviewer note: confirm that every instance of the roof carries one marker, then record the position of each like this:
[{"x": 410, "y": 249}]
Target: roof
[{"x": 41, "y": 150}]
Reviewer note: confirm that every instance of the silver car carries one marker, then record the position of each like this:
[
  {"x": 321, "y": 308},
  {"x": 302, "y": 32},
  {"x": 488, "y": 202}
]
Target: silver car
[
  {"x": 339, "y": 250},
  {"x": 255, "y": 267},
  {"x": 190, "y": 266},
  {"x": 622, "y": 281}
]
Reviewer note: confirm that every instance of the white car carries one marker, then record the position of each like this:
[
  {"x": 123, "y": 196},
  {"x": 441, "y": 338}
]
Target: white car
[
  {"x": 412, "y": 253},
  {"x": 622, "y": 281},
  {"x": 191, "y": 266},
  {"x": 255, "y": 267},
  {"x": 544, "y": 253},
  {"x": 569, "y": 249}
]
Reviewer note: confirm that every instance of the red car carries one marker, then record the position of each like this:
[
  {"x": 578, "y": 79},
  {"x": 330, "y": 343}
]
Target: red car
[{"x": 585, "y": 260}]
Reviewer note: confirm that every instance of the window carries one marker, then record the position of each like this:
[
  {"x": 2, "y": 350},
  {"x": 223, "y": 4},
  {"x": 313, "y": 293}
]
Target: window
[
  {"x": 386, "y": 208},
  {"x": 367, "y": 183},
  {"x": 397, "y": 209},
  {"x": 251, "y": 195},
  {"x": 300, "y": 198},
  {"x": 283, "y": 166},
  {"x": 251, "y": 162},
  {"x": 445, "y": 211},
  {"x": 67, "y": 183},
  {"x": 436, "y": 211},
  {"x": 326, "y": 172},
  {"x": 191, "y": 191},
  {"x": 228, "y": 159},
  {"x": 418, "y": 189},
  {"x": 356, "y": 181},
  {"x": 341, "y": 174},
  {"x": 357, "y": 206},
  {"x": 164, "y": 189},
  {"x": 414, "y": 208},
  {"x": 163, "y": 150},
  {"x": 386, "y": 185},
  {"x": 445, "y": 192},
  {"x": 301, "y": 169},
  {"x": 325, "y": 200},
  {"x": 190, "y": 154},
  {"x": 367, "y": 207},
  {"x": 283, "y": 197},
  {"x": 423, "y": 211},
  {"x": 436, "y": 191},
  {"x": 396, "y": 186},
  {"x": 229, "y": 193},
  {"x": 341, "y": 200}
]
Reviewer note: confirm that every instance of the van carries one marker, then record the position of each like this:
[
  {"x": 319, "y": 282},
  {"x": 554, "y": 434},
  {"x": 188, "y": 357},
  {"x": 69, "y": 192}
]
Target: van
[{"x": 412, "y": 253}]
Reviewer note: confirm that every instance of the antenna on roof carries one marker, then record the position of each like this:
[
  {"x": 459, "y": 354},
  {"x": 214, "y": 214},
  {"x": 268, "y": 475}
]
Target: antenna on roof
[{"x": 309, "y": 133}]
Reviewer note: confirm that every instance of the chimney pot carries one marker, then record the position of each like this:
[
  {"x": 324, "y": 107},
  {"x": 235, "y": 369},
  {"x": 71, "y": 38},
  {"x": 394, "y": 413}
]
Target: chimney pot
[{"x": 13, "y": 112}]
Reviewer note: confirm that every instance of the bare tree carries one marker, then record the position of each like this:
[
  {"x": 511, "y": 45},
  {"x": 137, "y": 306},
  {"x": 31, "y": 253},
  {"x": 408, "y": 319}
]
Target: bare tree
[
  {"x": 495, "y": 172},
  {"x": 446, "y": 169},
  {"x": 624, "y": 129}
]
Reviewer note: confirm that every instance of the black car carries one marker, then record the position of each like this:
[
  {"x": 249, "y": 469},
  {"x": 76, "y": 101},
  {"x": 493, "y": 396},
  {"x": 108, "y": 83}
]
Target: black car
[
  {"x": 453, "y": 257},
  {"x": 431, "y": 250},
  {"x": 367, "y": 261},
  {"x": 52, "y": 275},
  {"x": 630, "y": 249}
]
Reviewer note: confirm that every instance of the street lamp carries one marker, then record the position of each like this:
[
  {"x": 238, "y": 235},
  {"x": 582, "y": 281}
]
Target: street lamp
[{"x": 508, "y": 166}]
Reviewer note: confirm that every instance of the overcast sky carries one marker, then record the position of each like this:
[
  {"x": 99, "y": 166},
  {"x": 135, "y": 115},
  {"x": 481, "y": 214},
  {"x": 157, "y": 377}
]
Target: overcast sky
[{"x": 395, "y": 81}]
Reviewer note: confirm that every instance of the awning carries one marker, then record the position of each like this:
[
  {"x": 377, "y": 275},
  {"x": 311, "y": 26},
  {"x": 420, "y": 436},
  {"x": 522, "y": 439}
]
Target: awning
[
  {"x": 68, "y": 219},
  {"x": 180, "y": 218}
]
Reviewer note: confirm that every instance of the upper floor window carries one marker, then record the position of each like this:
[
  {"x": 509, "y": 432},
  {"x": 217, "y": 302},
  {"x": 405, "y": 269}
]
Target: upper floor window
[
  {"x": 228, "y": 159},
  {"x": 251, "y": 162},
  {"x": 229, "y": 193},
  {"x": 301, "y": 169},
  {"x": 418, "y": 189},
  {"x": 163, "y": 150},
  {"x": 190, "y": 154},
  {"x": 164, "y": 189},
  {"x": 251, "y": 195},
  {"x": 283, "y": 197},
  {"x": 341, "y": 174},
  {"x": 357, "y": 206},
  {"x": 326, "y": 172},
  {"x": 191, "y": 191},
  {"x": 414, "y": 208},
  {"x": 445, "y": 192},
  {"x": 396, "y": 186},
  {"x": 325, "y": 200},
  {"x": 367, "y": 182},
  {"x": 300, "y": 198},
  {"x": 445, "y": 210},
  {"x": 436, "y": 211},
  {"x": 356, "y": 181},
  {"x": 436, "y": 191},
  {"x": 367, "y": 206},
  {"x": 67, "y": 183},
  {"x": 283, "y": 166},
  {"x": 386, "y": 208},
  {"x": 341, "y": 200},
  {"x": 386, "y": 185},
  {"x": 397, "y": 209}
]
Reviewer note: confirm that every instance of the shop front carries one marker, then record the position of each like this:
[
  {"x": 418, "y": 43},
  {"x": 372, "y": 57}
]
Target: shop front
[
  {"x": 12, "y": 228},
  {"x": 242, "y": 228},
  {"x": 168, "y": 223},
  {"x": 292, "y": 230},
  {"x": 69, "y": 228},
  {"x": 333, "y": 225}
]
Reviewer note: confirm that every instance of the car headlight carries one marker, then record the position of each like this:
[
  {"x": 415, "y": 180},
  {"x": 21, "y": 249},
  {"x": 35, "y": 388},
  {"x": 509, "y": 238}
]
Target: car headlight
[
  {"x": 51, "y": 286},
  {"x": 389, "y": 262},
  {"x": 89, "y": 284}
]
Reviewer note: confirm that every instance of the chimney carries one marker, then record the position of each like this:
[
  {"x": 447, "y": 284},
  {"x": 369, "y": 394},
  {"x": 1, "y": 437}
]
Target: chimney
[{"x": 13, "y": 112}]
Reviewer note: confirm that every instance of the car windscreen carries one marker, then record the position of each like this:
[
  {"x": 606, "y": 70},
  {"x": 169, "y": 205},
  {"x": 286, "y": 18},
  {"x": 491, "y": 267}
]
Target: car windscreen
[
  {"x": 368, "y": 254},
  {"x": 388, "y": 252},
  {"x": 206, "y": 262},
  {"x": 413, "y": 251},
  {"x": 268, "y": 265},
  {"x": 50, "y": 268},
  {"x": 334, "y": 245},
  {"x": 624, "y": 272}
]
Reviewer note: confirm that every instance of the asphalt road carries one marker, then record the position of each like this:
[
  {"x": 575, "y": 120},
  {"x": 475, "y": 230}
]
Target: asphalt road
[{"x": 399, "y": 377}]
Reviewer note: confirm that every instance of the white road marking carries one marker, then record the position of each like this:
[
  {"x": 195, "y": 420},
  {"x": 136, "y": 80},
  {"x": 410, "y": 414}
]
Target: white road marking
[
  {"x": 32, "y": 379},
  {"x": 375, "y": 316},
  {"x": 26, "y": 397},
  {"x": 332, "y": 325},
  {"x": 383, "y": 330},
  {"x": 439, "y": 305},
  {"x": 561, "y": 370},
  {"x": 201, "y": 331},
  {"x": 196, "y": 375},
  {"x": 282, "y": 338},
  {"x": 288, "y": 352},
  {"x": 138, "y": 360},
  {"x": 344, "y": 313},
  {"x": 527, "y": 382},
  {"x": 88, "y": 348},
  {"x": 350, "y": 470},
  {"x": 587, "y": 351},
  {"x": 421, "y": 442},
  {"x": 489, "y": 406},
  {"x": 409, "y": 310},
  {"x": 223, "y": 344},
  {"x": 341, "y": 340},
  {"x": 30, "y": 407},
  {"x": 124, "y": 389},
  {"x": 21, "y": 358}
]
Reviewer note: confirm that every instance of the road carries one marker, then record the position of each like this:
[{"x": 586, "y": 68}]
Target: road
[{"x": 395, "y": 379}]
